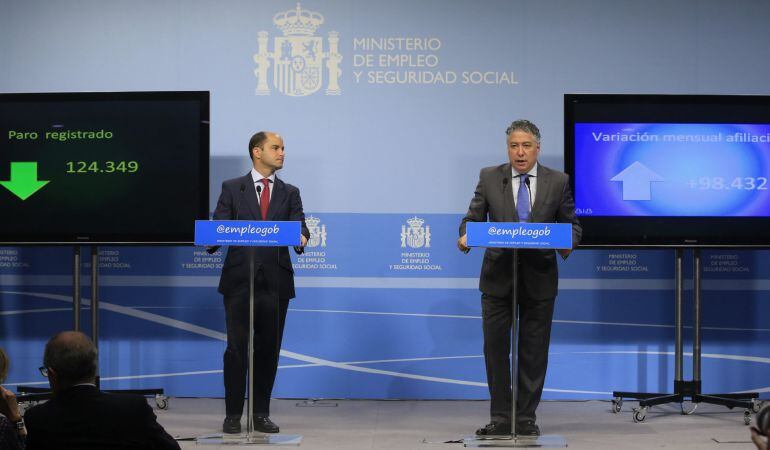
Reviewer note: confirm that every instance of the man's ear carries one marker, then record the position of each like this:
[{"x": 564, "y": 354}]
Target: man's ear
[{"x": 53, "y": 378}]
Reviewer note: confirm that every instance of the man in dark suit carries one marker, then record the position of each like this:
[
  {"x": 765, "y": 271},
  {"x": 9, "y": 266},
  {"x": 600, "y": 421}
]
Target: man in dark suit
[
  {"x": 79, "y": 415},
  {"x": 258, "y": 195},
  {"x": 520, "y": 190}
]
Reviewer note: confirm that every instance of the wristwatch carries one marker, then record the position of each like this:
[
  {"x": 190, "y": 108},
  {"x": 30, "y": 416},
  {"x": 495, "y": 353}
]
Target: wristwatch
[{"x": 19, "y": 425}]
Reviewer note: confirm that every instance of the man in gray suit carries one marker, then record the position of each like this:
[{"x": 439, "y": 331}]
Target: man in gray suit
[{"x": 521, "y": 190}]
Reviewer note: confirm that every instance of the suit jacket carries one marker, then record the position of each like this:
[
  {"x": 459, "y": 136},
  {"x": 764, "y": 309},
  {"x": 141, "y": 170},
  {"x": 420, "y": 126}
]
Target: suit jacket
[
  {"x": 238, "y": 201},
  {"x": 493, "y": 201},
  {"x": 83, "y": 417}
]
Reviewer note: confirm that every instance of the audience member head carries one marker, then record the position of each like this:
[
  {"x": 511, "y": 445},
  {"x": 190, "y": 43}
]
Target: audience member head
[
  {"x": 760, "y": 434},
  {"x": 70, "y": 358},
  {"x": 763, "y": 420},
  {"x": 3, "y": 365}
]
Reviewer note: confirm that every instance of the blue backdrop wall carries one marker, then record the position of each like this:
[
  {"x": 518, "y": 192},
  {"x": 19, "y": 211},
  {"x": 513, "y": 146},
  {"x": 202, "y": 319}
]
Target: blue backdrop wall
[{"x": 389, "y": 110}]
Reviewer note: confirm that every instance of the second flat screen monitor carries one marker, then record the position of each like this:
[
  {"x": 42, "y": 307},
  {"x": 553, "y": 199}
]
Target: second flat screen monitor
[{"x": 654, "y": 170}]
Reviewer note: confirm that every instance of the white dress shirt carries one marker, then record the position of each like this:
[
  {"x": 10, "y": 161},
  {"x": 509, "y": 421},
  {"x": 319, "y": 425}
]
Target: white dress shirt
[{"x": 256, "y": 177}]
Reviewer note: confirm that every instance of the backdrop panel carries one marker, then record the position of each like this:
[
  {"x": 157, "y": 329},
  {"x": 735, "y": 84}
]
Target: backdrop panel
[{"x": 389, "y": 110}]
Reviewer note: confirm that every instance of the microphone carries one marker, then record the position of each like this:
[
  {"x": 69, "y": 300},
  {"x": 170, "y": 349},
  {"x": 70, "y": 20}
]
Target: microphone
[
  {"x": 240, "y": 199},
  {"x": 529, "y": 189},
  {"x": 259, "y": 197},
  {"x": 505, "y": 183}
]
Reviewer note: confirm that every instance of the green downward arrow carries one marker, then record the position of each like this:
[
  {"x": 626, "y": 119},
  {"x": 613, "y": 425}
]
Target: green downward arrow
[{"x": 24, "y": 180}]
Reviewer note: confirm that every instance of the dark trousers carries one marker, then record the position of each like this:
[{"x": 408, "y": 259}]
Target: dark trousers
[
  {"x": 269, "y": 319},
  {"x": 535, "y": 318}
]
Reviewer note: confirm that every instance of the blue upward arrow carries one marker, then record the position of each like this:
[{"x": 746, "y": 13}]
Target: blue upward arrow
[{"x": 636, "y": 180}]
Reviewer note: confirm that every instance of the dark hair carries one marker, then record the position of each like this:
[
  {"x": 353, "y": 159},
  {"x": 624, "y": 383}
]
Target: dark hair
[
  {"x": 72, "y": 355},
  {"x": 525, "y": 126},
  {"x": 255, "y": 141}
]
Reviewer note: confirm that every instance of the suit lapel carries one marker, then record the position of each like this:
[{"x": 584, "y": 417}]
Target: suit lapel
[
  {"x": 277, "y": 199},
  {"x": 250, "y": 198},
  {"x": 543, "y": 180},
  {"x": 509, "y": 208}
]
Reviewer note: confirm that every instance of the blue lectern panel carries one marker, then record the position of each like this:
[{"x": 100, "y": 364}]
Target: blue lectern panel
[
  {"x": 247, "y": 232},
  {"x": 519, "y": 235}
]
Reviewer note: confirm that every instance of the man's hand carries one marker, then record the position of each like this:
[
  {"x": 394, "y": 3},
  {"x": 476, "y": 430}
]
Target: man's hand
[
  {"x": 300, "y": 249},
  {"x": 462, "y": 244},
  {"x": 759, "y": 440},
  {"x": 8, "y": 405}
]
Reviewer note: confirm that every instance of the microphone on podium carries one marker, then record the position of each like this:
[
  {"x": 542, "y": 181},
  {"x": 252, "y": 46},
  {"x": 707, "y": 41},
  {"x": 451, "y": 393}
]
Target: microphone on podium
[{"x": 529, "y": 190}]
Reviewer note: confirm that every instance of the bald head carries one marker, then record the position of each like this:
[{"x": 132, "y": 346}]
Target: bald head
[
  {"x": 258, "y": 140},
  {"x": 72, "y": 356}
]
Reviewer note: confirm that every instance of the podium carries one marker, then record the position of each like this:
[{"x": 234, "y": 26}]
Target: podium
[
  {"x": 248, "y": 233},
  {"x": 516, "y": 236}
]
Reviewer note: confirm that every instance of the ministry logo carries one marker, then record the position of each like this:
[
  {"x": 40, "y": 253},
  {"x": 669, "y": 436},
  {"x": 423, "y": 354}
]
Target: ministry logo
[
  {"x": 415, "y": 235},
  {"x": 317, "y": 232},
  {"x": 298, "y": 57}
]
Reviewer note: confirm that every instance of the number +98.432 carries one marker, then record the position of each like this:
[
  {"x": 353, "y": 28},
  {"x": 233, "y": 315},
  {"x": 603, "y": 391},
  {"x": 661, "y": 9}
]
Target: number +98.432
[{"x": 738, "y": 183}]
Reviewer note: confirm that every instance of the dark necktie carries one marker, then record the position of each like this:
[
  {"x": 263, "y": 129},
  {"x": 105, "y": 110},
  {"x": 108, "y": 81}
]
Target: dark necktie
[
  {"x": 264, "y": 198},
  {"x": 522, "y": 199}
]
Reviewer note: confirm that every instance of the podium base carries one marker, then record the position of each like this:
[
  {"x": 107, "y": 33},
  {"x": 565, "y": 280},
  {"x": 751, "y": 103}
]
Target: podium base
[
  {"x": 548, "y": 441},
  {"x": 254, "y": 439}
]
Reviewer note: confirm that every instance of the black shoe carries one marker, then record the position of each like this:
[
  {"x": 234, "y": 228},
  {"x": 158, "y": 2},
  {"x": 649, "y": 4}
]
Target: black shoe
[
  {"x": 527, "y": 428},
  {"x": 495, "y": 429},
  {"x": 265, "y": 425},
  {"x": 232, "y": 425}
]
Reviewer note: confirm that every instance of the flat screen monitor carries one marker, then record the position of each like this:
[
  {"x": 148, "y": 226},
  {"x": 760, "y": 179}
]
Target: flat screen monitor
[
  {"x": 103, "y": 168},
  {"x": 670, "y": 170}
]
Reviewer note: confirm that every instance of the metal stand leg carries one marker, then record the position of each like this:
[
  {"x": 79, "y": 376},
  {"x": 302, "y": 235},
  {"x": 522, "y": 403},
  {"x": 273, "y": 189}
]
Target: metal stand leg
[
  {"x": 45, "y": 392},
  {"x": 161, "y": 401},
  {"x": 514, "y": 342},
  {"x": 95, "y": 303},
  {"x": 250, "y": 390},
  {"x": 745, "y": 400},
  {"x": 76, "y": 290}
]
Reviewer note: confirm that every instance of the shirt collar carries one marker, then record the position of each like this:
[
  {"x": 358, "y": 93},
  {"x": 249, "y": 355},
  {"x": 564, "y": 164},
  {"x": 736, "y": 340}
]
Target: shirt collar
[
  {"x": 256, "y": 176},
  {"x": 532, "y": 172}
]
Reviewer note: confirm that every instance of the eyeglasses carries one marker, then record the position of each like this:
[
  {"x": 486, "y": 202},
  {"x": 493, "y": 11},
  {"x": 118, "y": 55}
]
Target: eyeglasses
[{"x": 43, "y": 371}]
